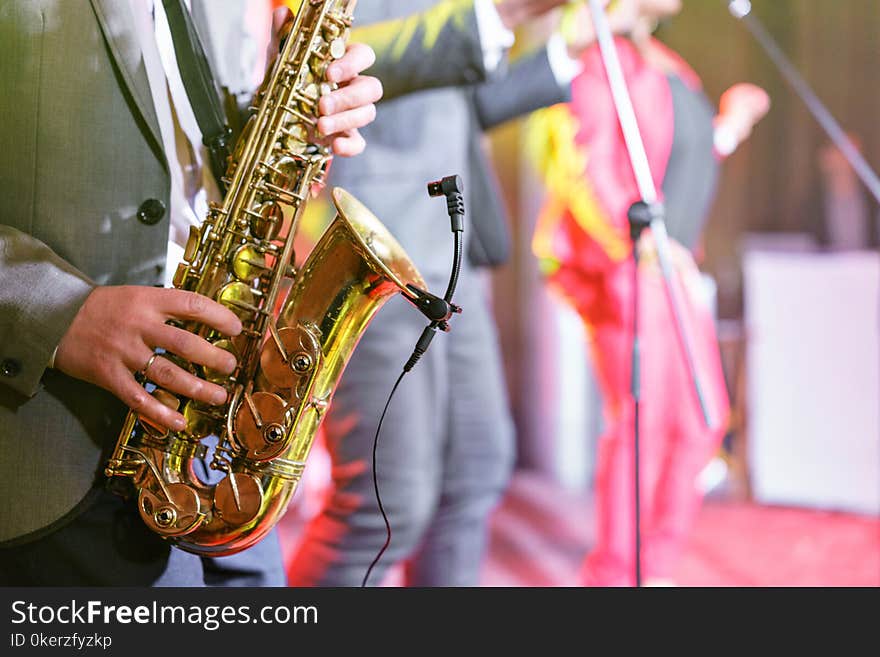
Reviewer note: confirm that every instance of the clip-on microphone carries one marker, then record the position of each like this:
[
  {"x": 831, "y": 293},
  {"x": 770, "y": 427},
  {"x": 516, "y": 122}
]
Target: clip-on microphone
[{"x": 440, "y": 311}]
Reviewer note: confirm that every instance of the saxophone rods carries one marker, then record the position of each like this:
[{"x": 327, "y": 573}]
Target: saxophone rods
[{"x": 289, "y": 362}]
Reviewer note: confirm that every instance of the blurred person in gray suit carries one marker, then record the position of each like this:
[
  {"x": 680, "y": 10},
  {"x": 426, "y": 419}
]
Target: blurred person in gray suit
[
  {"x": 447, "y": 444},
  {"x": 101, "y": 172}
]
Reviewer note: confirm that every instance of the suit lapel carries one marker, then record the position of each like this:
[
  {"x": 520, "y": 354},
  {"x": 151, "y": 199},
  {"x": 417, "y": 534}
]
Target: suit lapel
[{"x": 118, "y": 25}]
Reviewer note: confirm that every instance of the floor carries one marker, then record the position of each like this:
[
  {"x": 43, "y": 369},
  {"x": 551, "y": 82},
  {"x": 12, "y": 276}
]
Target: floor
[{"x": 541, "y": 532}]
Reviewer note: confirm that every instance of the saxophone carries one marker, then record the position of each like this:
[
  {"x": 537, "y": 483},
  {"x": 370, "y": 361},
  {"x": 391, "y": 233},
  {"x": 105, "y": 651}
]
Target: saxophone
[{"x": 300, "y": 326}]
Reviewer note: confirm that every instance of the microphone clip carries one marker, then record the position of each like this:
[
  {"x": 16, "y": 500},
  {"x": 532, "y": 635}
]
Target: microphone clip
[{"x": 436, "y": 309}]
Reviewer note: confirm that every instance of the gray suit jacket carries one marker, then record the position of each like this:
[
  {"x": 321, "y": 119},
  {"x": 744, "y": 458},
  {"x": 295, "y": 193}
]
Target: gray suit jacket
[
  {"x": 83, "y": 190},
  {"x": 80, "y": 157}
]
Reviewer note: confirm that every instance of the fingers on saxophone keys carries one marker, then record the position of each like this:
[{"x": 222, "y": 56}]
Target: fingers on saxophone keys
[
  {"x": 345, "y": 121},
  {"x": 361, "y": 91},
  {"x": 144, "y": 404},
  {"x": 358, "y": 58},
  {"x": 185, "y": 305},
  {"x": 172, "y": 378},
  {"x": 193, "y": 348}
]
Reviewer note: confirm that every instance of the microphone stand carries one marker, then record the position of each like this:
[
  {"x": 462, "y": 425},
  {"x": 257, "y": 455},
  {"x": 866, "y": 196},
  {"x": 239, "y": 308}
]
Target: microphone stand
[
  {"x": 649, "y": 212},
  {"x": 742, "y": 10}
]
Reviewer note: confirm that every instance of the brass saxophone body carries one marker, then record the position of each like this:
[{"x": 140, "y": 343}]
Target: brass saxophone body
[{"x": 300, "y": 326}]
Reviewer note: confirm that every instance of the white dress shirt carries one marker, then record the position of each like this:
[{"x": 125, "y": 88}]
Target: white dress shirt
[
  {"x": 191, "y": 183},
  {"x": 496, "y": 40}
]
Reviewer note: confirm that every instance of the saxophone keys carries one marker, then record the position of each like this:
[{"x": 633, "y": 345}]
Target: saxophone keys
[
  {"x": 200, "y": 423},
  {"x": 238, "y": 499},
  {"x": 248, "y": 264},
  {"x": 240, "y": 145},
  {"x": 311, "y": 92},
  {"x": 318, "y": 67},
  {"x": 267, "y": 221},
  {"x": 297, "y": 132},
  {"x": 260, "y": 426},
  {"x": 295, "y": 139},
  {"x": 295, "y": 147},
  {"x": 239, "y": 298},
  {"x": 290, "y": 357},
  {"x": 178, "y": 514},
  {"x": 181, "y": 276},
  {"x": 284, "y": 173},
  {"x": 299, "y": 114},
  {"x": 192, "y": 244},
  {"x": 338, "y": 47}
]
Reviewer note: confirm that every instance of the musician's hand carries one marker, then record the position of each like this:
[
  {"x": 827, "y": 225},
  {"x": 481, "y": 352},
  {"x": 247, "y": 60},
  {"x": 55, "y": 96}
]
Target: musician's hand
[
  {"x": 114, "y": 336},
  {"x": 352, "y": 105},
  {"x": 349, "y": 107},
  {"x": 741, "y": 108}
]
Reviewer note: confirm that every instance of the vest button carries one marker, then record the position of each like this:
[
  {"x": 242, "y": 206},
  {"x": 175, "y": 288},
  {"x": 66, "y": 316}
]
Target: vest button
[
  {"x": 151, "y": 212},
  {"x": 10, "y": 368}
]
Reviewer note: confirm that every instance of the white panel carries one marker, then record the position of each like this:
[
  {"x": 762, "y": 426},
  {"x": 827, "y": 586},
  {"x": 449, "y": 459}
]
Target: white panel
[{"x": 814, "y": 379}]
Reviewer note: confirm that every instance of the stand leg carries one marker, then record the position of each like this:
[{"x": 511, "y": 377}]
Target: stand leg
[
  {"x": 637, "y": 402},
  {"x": 639, "y": 218}
]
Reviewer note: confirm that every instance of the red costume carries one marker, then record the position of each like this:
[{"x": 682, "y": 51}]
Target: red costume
[{"x": 583, "y": 242}]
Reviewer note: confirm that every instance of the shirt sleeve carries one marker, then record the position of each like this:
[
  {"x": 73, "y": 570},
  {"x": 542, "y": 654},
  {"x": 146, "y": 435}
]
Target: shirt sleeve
[
  {"x": 565, "y": 68},
  {"x": 495, "y": 38}
]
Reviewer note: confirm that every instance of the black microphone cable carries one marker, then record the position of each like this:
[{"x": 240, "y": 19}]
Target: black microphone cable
[{"x": 439, "y": 311}]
